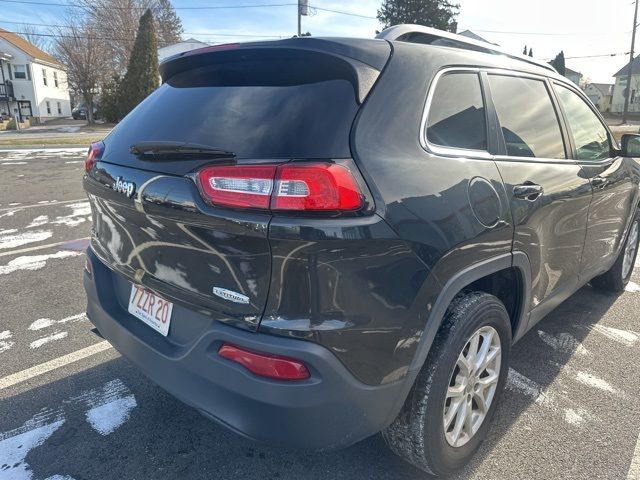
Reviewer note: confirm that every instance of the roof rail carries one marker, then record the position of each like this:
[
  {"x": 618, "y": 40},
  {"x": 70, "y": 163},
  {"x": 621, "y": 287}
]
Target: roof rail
[{"x": 433, "y": 36}]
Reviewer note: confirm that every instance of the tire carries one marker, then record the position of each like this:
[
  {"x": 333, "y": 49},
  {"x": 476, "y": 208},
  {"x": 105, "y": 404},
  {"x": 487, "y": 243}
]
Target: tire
[
  {"x": 418, "y": 433},
  {"x": 618, "y": 276}
]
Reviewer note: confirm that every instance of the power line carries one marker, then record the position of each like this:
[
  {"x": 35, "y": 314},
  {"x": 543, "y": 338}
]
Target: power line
[
  {"x": 548, "y": 33},
  {"x": 53, "y": 25},
  {"x": 342, "y": 12},
  {"x": 207, "y": 7}
]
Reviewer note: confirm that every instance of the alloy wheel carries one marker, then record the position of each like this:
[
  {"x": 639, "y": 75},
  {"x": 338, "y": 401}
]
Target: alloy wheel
[
  {"x": 472, "y": 386},
  {"x": 630, "y": 250}
]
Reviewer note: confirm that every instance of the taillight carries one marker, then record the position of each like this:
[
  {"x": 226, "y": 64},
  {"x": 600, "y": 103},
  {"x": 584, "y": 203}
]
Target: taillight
[
  {"x": 243, "y": 186},
  {"x": 95, "y": 151},
  {"x": 265, "y": 364},
  {"x": 304, "y": 186}
]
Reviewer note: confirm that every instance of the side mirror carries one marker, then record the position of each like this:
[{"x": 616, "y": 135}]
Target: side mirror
[{"x": 630, "y": 145}]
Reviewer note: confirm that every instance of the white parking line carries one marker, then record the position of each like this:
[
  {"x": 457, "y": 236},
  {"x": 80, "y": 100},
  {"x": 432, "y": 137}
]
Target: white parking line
[
  {"x": 634, "y": 469},
  {"x": 29, "y": 373},
  {"x": 57, "y": 202}
]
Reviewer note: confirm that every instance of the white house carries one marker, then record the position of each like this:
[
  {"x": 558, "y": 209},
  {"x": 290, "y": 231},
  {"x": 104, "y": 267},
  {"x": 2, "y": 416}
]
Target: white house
[
  {"x": 600, "y": 95},
  {"x": 32, "y": 82},
  {"x": 572, "y": 75},
  {"x": 620, "y": 88},
  {"x": 184, "y": 46}
]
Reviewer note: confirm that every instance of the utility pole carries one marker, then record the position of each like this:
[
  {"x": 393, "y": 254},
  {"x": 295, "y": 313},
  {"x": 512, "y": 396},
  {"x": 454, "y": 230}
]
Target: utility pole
[
  {"x": 303, "y": 9},
  {"x": 630, "y": 72}
]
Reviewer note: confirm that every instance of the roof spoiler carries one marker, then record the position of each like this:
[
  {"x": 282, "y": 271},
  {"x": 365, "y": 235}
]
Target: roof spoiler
[{"x": 418, "y": 34}]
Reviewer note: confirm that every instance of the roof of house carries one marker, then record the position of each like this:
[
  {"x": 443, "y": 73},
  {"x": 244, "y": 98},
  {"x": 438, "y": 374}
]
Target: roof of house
[
  {"x": 635, "y": 69},
  {"x": 27, "y": 47},
  {"x": 605, "y": 88},
  {"x": 568, "y": 71},
  {"x": 475, "y": 36}
]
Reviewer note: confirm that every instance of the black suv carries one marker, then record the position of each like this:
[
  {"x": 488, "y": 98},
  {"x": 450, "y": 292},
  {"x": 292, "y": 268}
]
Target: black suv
[{"x": 314, "y": 240}]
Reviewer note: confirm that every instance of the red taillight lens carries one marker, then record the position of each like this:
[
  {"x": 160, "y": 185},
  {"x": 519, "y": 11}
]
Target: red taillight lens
[
  {"x": 265, "y": 365},
  {"x": 316, "y": 186},
  {"x": 242, "y": 186},
  {"x": 308, "y": 186},
  {"x": 95, "y": 152}
]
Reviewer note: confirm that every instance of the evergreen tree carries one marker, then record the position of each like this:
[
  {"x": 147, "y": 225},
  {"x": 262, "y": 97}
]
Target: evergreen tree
[
  {"x": 110, "y": 99},
  {"x": 525, "y": 50},
  {"x": 531, "y": 52},
  {"x": 169, "y": 23},
  {"x": 430, "y": 13},
  {"x": 142, "y": 76},
  {"x": 558, "y": 63}
]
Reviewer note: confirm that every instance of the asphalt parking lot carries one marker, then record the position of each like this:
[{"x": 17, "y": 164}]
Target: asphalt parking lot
[{"x": 72, "y": 409}]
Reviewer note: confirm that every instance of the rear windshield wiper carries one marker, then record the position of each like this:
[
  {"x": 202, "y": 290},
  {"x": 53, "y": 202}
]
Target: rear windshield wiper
[{"x": 180, "y": 148}]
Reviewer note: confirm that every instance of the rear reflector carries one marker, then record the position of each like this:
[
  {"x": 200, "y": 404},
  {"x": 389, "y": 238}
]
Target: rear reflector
[
  {"x": 308, "y": 186},
  {"x": 264, "y": 364},
  {"x": 94, "y": 153}
]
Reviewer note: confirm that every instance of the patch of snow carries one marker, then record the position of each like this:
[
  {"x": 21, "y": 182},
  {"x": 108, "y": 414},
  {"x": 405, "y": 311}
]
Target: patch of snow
[
  {"x": 5, "y": 341},
  {"x": 109, "y": 406},
  {"x": 47, "y": 322},
  {"x": 572, "y": 417},
  {"x": 593, "y": 381},
  {"x": 13, "y": 163},
  {"x": 632, "y": 287},
  {"x": 625, "y": 337},
  {"x": 48, "y": 339},
  {"x": 563, "y": 342},
  {"x": 75, "y": 161},
  {"x": 106, "y": 418},
  {"x": 17, "y": 239},
  {"x": 80, "y": 214},
  {"x": 38, "y": 221},
  {"x": 10, "y": 213},
  {"x": 8, "y": 231},
  {"x": 15, "y": 446},
  {"x": 34, "y": 262},
  {"x": 517, "y": 382}
]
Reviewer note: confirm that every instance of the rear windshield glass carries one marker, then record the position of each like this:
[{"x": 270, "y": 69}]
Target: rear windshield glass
[{"x": 283, "y": 106}]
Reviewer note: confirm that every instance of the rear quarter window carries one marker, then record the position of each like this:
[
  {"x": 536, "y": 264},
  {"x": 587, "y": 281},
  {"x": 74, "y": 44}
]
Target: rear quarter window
[{"x": 456, "y": 117}]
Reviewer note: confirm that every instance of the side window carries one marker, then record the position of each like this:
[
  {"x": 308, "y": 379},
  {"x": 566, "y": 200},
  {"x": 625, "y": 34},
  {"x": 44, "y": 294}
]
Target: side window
[
  {"x": 529, "y": 122},
  {"x": 457, "y": 116},
  {"x": 590, "y": 136}
]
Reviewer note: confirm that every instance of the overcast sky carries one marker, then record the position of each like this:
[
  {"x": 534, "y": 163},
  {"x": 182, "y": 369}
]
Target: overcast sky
[{"x": 579, "y": 27}]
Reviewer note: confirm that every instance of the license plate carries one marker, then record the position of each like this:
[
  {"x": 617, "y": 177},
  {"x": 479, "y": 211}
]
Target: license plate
[{"x": 150, "y": 308}]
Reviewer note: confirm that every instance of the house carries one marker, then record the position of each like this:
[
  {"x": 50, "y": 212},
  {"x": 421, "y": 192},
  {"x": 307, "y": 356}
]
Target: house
[
  {"x": 600, "y": 95},
  {"x": 475, "y": 36},
  {"x": 32, "y": 82},
  {"x": 572, "y": 75},
  {"x": 184, "y": 46},
  {"x": 620, "y": 88}
]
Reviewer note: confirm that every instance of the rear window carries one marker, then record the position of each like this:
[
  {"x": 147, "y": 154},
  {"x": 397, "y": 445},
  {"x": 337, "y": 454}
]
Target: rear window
[{"x": 258, "y": 106}]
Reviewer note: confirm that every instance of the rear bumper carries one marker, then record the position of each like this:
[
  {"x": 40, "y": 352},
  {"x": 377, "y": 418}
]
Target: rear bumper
[{"x": 332, "y": 409}]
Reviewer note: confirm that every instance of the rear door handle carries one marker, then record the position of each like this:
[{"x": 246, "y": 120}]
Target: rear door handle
[
  {"x": 599, "y": 182},
  {"x": 528, "y": 191}
]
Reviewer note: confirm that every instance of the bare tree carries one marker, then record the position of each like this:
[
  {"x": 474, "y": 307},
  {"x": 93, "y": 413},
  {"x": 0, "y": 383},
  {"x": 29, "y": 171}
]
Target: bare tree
[
  {"x": 80, "y": 48},
  {"x": 31, "y": 34},
  {"x": 117, "y": 21}
]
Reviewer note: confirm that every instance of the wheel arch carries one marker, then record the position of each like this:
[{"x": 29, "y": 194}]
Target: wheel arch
[{"x": 516, "y": 262}]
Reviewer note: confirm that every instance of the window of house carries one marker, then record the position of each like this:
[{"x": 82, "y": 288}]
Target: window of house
[
  {"x": 457, "y": 116},
  {"x": 55, "y": 79},
  {"x": 48, "y": 108},
  {"x": 44, "y": 76},
  {"x": 528, "y": 120},
  {"x": 589, "y": 134},
  {"x": 59, "y": 108},
  {"x": 20, "y": 72}
]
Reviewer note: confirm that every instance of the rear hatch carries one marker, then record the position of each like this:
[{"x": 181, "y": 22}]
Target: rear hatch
[{"x": 249, "y": 104}]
